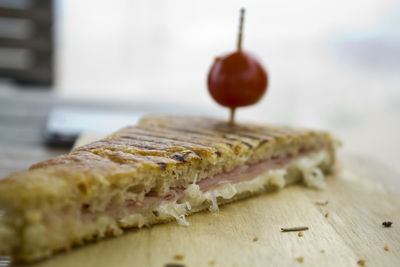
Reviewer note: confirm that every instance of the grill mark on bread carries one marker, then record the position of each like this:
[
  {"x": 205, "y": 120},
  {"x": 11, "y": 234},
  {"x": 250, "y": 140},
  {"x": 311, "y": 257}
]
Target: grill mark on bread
[
  {"x": 213, "y": 134},
  {"x": 163, "y": 143},
  {"x": 188, "y": 131},
  {"x": 119, "y": 152},
  {"x": 198, "y": 155},
  {"x": 200, "y": 142},
  {"x": 252, "y": 129},
  {"x": 239, "y": 134},
  {"x": 116, "y": 157},
  {"x": 162, "y": 165},
  {"x": 122, "y": 156},
  {"x": 172, "y": 138},
  {"x": 111, "y": 144},
  {"x": 209, "y": 135},
  {"x": 139, "y": 144},
  {"x": 178, "y": 157},
  {"x": 147, "y": 147},
  {"x": 77, "y": 158},
  {"x": 115, "y": 145},
  {"x": 253, "y": 135},
  {"x": 261, "y": 131},
  {"x": 200, "y": 123},
  {"x": 241, "y": 141},
  {"x": 260, "y": 137},
  {"x": 238, "y": 140},
  {"x": 140, "y": 139},
  {"x": 264, "y": 141}
]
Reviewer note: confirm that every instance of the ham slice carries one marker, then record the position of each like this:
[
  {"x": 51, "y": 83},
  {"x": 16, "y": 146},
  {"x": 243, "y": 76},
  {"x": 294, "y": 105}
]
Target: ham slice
[
  {"x": 239, "y": 174},
  {"x": 242, "y": 173}
]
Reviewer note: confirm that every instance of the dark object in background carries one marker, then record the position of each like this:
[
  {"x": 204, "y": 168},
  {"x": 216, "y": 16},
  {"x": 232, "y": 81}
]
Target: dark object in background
[
  {"x": 387, "y": 224},
  {"x": 65, "y": 124},
  {"x": 26, "y": 41}
]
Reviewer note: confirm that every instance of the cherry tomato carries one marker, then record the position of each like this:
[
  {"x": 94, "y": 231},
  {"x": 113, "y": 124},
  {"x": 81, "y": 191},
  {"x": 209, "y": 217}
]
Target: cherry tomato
[{"x": 237, "y": 80}]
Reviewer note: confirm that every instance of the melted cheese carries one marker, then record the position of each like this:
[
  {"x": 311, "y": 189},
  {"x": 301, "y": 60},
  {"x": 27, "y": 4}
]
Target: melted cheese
[
  {"x": 308, "y": 167},
  {"x": 312, "y": 175}
]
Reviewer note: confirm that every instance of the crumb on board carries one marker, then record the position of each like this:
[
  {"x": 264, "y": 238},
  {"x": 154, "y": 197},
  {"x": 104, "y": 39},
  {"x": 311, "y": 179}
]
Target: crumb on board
[
  {"x": 321, "y": 203},
  {"x": 322, "y": 251},
  {"x": 300, "y": 259},
  {"x": 174, "y": 265},
  {"x": 326, "y": 215},
  {"x": 361, "y": 262},
  {"x": 255, "y": 239},
  {"x": 300, "y": 234},
  {"x": 294, "y": 229},
  {"x": 179, "y": 257},
  {"x": 387, "y": 224},
  {"x": 211, "y": 262},
  {"x": 386, "y": 247}
]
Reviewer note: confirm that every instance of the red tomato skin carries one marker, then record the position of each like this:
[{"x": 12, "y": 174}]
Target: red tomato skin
[{"x": 237, "y": 80}]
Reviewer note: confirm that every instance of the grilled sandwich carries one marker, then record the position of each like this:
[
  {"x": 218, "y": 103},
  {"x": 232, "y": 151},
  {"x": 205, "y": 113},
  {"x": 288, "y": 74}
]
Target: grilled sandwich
[{"x": 163, "y": 169}]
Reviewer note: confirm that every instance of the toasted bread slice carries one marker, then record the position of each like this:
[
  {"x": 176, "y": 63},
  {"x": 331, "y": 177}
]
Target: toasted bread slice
[{"x": 163, "y": 169}]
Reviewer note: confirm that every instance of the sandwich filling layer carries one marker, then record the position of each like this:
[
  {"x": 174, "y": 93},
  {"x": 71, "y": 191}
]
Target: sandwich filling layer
[{"x": 268, "y": 174}]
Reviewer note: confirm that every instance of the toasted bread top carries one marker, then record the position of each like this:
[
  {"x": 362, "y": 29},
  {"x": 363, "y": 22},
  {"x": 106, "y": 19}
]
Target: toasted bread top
[{"x": 160, "y": 152}]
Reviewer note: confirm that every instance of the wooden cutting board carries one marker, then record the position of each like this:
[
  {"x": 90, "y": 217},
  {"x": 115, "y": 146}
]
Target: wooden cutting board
[{"x": 349, "y": 228}]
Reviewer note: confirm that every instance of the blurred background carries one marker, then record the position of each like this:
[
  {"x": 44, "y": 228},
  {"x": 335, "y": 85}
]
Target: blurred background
[{"x": 93, "y": 66}]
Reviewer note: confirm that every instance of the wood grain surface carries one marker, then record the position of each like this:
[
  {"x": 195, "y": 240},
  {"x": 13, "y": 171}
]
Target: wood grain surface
[{"x": 247, "y": 233}]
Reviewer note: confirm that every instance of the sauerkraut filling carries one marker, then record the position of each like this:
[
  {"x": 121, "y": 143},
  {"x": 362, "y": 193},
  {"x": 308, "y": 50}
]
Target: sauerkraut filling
[{"x": 179, "y": 201}]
